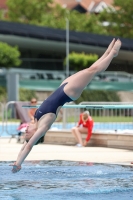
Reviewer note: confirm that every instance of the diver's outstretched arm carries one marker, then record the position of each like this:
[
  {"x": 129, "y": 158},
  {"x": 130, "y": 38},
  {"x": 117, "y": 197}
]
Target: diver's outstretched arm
[
  {"x": 17, "y": 168},
  {"x": 27, "y": 147}
]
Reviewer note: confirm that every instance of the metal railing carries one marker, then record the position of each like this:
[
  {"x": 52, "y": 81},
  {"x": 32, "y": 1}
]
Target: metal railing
[
  {"x": 107, "y": 120},
  {"x": 2, "y": 113},
  {"x": 11, "y": 122}
]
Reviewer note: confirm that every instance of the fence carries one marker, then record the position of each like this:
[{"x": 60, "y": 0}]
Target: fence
[
  {"x": 110, "y": 120},
  {"x": 105, "y": 120},
  {"x": 2, "y": 115}
]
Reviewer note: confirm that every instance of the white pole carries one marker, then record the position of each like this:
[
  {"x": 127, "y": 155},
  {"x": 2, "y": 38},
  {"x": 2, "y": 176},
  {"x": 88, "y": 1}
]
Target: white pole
[
  {"x": 12, "y": 86},
  {"x": 67, "y": 47}
]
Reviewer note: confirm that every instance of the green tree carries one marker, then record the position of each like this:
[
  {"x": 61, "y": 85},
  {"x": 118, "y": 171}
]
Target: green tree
[
  {"x": 9, "y": 56},
  {"x": 77, "y": 61},
  {"x": 27, "y": 11},
  {"x": 3, "y": 94},
  {"x": 45, "y": 13},
  {"x": 26, "y": 95},
  {"x": 120, "y": 19},
  {"x": 98, "y": 96},
  {"x": 85, "y": 23},
  {"x": 55, "y": 18}
]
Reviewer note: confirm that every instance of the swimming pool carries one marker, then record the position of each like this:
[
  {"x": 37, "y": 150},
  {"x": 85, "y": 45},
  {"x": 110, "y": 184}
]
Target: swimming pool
[{"x": 65, "y": 180}]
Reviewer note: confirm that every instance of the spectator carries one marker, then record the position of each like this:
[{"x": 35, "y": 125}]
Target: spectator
[
  {"x": 22, "y": 127},
  {"x": 85, "y": 125},
  {"x": 31, "y": 111}
]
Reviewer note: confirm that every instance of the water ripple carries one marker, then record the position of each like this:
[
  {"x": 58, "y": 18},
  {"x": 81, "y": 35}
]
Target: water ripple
[{"x": 62, "y": 178}]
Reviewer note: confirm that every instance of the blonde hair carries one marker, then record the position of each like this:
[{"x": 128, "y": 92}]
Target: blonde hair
[
  {"x": 86, "y": 112},
  {"x": 85, "y": 115}
]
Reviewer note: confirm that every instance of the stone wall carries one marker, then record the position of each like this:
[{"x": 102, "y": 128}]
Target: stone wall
[{"x": 115, "y": 140}]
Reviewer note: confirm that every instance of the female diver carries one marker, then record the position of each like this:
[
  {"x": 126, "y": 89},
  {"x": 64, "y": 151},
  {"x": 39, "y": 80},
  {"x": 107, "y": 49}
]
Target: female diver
[{"x": 70, "y": 89}]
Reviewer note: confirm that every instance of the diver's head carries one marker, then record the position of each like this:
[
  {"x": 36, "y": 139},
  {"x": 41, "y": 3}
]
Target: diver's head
[{"x": 30, "y": 130}]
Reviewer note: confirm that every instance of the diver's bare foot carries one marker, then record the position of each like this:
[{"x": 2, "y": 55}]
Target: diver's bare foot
[
  {"x": 110, "y": 46},
  {"x": 116, "y": 48}
]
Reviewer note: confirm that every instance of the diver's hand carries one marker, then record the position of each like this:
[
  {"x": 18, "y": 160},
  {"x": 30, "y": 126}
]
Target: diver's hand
[{"x": 15, "y": 168}]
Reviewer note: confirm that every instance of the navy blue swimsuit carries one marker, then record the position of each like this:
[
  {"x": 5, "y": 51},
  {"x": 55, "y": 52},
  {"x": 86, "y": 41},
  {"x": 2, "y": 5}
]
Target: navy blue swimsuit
[{"x": 50, "y": 105}]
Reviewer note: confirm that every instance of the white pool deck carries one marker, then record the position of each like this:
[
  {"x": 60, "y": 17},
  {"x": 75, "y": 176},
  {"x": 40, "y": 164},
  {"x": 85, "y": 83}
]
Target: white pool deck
[{"x": 9, "y": 152}]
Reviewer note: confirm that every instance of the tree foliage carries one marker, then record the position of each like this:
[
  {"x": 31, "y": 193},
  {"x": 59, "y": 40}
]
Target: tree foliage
[
  {"x": 9, "y": 56},
  {"x": 3, "y": 94},
  {"x": 44, "y": 13},
  {"x": 120, "y": 19},
  {"x": 77, "y": 61},
  {"x": 98, "y": 96},
  {"x": 27, "y": 11},
  {"x": 26, "y": 95}
]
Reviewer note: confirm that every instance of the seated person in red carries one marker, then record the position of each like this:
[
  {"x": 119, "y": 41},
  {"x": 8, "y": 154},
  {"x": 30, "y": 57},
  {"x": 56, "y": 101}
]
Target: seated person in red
[{"x": 85, "y": 125}]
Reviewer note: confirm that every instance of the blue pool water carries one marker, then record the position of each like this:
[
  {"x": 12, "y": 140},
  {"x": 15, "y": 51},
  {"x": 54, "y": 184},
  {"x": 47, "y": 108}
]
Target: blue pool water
[
  {"x": 64, "y": 180},
  {"x": 102, "y": 126},
  {"x": 11, "y": 128}
]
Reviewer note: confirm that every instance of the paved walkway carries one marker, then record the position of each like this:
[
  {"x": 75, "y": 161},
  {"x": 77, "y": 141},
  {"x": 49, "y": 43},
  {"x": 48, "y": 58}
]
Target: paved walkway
[{"x": 9, "y": 152}]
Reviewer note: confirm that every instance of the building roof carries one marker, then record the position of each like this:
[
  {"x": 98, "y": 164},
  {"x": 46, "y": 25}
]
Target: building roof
[
  {"x": 45, "y": 33},
  {"x": 3, "y": 4},
  {"x": 70, "y": 3},
  {"x": 84, "y": 3},
  {"x": 54, "y": 40}
]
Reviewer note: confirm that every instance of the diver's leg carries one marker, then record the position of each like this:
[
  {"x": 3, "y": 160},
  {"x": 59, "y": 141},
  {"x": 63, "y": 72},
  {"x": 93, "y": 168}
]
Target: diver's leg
[
  {"x": 78, "y": 81},
  {"x": 100, "y": 59},
  {"x": 106, "y": 52}
]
